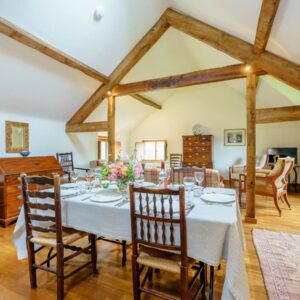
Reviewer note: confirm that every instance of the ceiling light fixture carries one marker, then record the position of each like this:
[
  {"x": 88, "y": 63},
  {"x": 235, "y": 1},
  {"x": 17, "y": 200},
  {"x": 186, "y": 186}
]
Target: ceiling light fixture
[
  {"x": 248, "y": 68},
  {"x": 98, "y": 13},
  {"x": 109, "y": 93}
]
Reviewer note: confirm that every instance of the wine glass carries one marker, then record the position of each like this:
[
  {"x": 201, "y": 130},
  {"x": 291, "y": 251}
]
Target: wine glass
[
  {"x": 90, "y": 176},
  {"x": 188, "y": 185},
  {"x": 199, "y": 178},
  {"x": 140, "y": 180},
  {"x": 74, "y": 176}
]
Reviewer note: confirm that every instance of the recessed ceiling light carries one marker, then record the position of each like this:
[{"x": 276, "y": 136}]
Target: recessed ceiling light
[{"x": 98, "y": 13}]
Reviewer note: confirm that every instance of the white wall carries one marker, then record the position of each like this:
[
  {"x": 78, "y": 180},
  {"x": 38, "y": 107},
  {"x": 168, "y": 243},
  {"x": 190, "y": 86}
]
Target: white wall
[
  {"x": 216, "y": 107},
  {"x": 46, "y": 137}
]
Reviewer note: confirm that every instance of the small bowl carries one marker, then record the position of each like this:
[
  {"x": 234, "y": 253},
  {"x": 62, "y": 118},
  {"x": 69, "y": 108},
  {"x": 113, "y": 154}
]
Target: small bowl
[
  {"x": 24, "y": 153},
  {"x": 105, "y": 184}
]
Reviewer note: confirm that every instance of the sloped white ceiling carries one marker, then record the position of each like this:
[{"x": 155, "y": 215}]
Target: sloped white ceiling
[{"x": 33, "y": 83}]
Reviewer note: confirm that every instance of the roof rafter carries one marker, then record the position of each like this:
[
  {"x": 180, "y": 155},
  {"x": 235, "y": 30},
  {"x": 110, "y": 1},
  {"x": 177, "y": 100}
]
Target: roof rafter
[
  {"x": 265, "y": 23},
  {"x": 140, "y": 49},
  {"x": 188, "y": 79},
  {"x": 274, "y": 65},
  {"x": 33, "y": 42},
  {"x": 145, "y": 100}
]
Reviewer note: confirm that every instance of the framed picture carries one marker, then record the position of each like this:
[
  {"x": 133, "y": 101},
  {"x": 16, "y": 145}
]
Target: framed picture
[{"x": 234, "y": 137}]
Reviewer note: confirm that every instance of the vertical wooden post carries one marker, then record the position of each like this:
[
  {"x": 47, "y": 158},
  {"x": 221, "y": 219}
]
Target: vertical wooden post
[
  {"x": 251, "y": 148},
  {"x": 111, "y": 128}
]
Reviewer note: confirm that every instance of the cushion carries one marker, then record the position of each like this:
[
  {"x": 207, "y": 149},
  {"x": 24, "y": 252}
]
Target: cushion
[
  {"x": 49, "y": 238},
  {"x": 169, "y": 261}
]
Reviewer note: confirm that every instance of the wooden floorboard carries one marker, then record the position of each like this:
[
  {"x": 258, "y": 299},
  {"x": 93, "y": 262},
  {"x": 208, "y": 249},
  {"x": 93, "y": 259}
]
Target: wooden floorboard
[{"x": 114, "y": 281}]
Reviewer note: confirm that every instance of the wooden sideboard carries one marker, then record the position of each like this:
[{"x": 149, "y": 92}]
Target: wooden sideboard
[
  {"x": 198, "y": 151},
  {"x": 10, "y": 170}
]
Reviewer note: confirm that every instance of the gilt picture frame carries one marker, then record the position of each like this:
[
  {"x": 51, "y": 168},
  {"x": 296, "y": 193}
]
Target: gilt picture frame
[
  {"x": 235, "y": 137},
  {"x": 17, "y": 137}
]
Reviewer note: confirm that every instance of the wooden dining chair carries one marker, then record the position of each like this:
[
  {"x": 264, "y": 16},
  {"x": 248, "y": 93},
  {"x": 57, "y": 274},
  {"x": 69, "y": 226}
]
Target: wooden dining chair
[
  {"x": 67, "y": 163},
  {"x": 156, "y": 244},
  {"x": 178, "y": 174},
  {"x": 175, "y": 160},
  {"x": 43, "y": 223}
]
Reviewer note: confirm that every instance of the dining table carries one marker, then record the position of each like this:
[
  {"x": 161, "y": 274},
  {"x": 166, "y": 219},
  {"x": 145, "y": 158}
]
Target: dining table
[{"x": 214, "y": 230}]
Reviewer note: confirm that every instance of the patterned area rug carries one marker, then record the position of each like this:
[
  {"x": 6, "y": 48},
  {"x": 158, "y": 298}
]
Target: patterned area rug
[{"x": 279, "y": 255}]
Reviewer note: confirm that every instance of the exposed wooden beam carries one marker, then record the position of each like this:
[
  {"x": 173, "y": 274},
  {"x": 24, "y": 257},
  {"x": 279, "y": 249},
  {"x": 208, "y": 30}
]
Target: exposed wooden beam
[
  {"x": 188, "y": 79},
  {"x": 274, "y": 65},
  {"x": 278, "y": 114},
  {"x": 87, "y": 127},
  {"x": 265, "y": 23},
  {"x": 140, "y": 49},
  {"x": 145, "y": 101},
  {"x": 33, "y": 42},
  {"x": 111, "y": 128},
  {"x": 251, "y": 147}
]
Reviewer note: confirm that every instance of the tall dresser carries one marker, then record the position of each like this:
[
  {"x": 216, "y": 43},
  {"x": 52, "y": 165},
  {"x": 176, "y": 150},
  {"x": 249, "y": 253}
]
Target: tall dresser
[
  {"x": 198, "y": 151},
  {"x": 10, "y": 170}
]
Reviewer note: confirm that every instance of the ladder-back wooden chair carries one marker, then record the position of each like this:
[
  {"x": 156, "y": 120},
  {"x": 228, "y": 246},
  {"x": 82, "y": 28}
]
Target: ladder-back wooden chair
[
  {"x": 179, "y": 173},
  {"x": 175, "y": 160},
  {"x": 159, "y": 241},
  {"x": 67, "y": 163},
  {"x": 43, "y": 223}
]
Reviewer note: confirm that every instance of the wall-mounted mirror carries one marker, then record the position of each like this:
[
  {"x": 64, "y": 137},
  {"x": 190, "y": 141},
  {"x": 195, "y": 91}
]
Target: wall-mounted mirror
[{"x": 17, "y": 139}]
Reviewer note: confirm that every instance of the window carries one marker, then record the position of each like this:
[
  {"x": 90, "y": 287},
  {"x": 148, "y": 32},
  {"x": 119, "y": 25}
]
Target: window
[
  {"x": 155, "y": 150},
  {"x": 103, "y": 148}
]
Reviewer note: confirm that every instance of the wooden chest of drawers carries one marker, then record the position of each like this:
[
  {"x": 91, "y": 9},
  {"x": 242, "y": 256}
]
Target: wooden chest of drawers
[
  {"x": 10, "y": 170},
  {"x": 197, "y": 151}
]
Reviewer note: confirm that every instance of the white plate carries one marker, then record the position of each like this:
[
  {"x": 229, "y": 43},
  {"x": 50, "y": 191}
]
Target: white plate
[
  {"x": 218, "y": 198},
  {"x": 106, "y": 196},
  {"x": 68, "y": 193},
  {"x": 71, "y": 185}
]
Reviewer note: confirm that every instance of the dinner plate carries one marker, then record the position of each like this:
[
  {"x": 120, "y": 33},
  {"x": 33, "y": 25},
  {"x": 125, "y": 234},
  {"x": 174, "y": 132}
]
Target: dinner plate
[
  {"x": 106, "y": 196},
  {"x": 71, "y": 185},
  {"x": 218, "y": 198},
  {"x": 68, "y": 193}
]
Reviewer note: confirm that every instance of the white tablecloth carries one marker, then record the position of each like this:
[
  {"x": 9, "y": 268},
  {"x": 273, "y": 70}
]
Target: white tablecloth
[{"x": 213, "y": 232}]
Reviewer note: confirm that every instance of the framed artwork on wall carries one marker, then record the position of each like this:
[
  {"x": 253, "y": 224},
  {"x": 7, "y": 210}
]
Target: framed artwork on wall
[{"x": 234, "y": 137}]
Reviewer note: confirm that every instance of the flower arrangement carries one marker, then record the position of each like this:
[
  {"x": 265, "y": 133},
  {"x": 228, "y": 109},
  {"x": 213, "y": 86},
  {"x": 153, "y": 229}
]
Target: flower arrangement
[{"x": 123, "y": 171}]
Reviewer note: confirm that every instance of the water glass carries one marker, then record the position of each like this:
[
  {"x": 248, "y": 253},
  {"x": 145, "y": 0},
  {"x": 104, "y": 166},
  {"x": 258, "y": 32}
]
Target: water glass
[
  {"x": 74, "y": 176},
  {"x": 188, "y": 182},
  {"x": 139, "y": 181}
]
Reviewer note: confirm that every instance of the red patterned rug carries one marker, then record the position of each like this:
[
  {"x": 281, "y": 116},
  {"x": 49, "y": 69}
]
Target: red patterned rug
[{"x": 279, "y": 256}]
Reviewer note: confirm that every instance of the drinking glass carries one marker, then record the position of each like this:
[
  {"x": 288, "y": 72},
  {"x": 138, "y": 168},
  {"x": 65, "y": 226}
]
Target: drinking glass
[
  {"x": 139, "y": 181},
  {"x": 188, "y": 185},
  {"x": 90, "y": 176},
  {"x": 74, "y": 176},
  {"x": 199, "y": 178}
]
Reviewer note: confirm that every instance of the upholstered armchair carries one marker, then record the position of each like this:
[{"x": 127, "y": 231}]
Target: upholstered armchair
[
  {"x": 213, "y": 177},
  {"x": 235, "y": 171},
  {"x": 234, "y": 174},
  {"x": 272, "y": 184}
]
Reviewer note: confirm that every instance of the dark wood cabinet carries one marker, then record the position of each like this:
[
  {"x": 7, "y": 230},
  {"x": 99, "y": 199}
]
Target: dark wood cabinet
[
  {"x": 198, "y": 151},
  {"x": 10, "y": 170}
]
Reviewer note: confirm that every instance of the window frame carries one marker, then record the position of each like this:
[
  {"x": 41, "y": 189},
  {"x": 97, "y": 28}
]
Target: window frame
[{"x": 156, "y": 141}]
